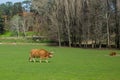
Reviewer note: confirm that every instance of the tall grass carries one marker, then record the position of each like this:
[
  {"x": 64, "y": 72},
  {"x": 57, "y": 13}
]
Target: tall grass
[{"x": 67, "y": 64}]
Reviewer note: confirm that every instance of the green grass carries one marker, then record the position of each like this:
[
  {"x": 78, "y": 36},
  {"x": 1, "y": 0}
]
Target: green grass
[{"x": 67, "y": 64}]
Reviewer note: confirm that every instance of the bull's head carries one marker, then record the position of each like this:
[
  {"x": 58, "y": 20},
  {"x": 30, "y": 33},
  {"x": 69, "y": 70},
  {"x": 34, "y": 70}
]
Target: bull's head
[{"x": 50, "y": 54}]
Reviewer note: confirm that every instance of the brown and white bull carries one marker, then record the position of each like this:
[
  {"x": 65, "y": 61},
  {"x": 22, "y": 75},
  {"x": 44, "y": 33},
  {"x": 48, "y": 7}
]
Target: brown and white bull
[{"x": 40, "y": 53}]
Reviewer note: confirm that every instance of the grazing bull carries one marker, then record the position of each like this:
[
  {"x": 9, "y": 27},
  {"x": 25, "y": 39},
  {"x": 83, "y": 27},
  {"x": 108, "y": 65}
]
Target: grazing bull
[
  {"x": 40, "y": 53},
  {"x": 112, "y": 54}
]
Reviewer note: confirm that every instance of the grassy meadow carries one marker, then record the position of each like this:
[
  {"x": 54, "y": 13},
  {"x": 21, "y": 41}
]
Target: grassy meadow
[{"x": 67, "y": 64}]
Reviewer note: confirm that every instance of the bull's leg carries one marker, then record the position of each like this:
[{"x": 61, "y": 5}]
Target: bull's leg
[
  {"x": 40, "y": 60},
  {"x": 46, "y": 61},
  {"x": 33, "y": 59},
  {"x": 30, "y": 59}
]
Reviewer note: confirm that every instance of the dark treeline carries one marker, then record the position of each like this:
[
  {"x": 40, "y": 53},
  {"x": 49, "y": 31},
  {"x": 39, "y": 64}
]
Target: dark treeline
[{"x": 73, "y": 23}]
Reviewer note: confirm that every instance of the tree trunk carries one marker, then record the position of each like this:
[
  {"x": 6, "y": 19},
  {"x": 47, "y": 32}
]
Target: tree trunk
[
  {"x": 108, "y": 32},
  {"x": 107, "y": 24},
  {"x": 117, "y": 40}
]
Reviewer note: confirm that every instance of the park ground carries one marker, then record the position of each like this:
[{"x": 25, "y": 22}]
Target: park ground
[{"x": 66, "y": 64}]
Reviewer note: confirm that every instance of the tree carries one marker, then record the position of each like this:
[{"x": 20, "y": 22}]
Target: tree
[
  {"x": 117, "y": 30},
  {"x": 18, "y": 8},
  {"x": 26, "y": 5},
  {"x": 15, "y": 25}
]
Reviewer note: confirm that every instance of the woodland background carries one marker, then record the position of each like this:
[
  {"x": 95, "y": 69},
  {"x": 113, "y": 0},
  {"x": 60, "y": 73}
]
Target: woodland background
[{"x": 73, "y": 23}]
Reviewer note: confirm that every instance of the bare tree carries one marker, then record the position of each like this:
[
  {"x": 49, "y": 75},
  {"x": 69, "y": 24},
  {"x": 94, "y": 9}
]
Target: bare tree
[{"x": 16, "y": 24}]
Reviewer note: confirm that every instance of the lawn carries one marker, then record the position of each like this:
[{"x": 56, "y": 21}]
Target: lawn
[{"x": 67, "y": 64}]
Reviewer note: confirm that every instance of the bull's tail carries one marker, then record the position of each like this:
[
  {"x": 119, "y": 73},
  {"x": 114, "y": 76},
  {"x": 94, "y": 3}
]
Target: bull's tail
[{"x": 30, "y": 58}]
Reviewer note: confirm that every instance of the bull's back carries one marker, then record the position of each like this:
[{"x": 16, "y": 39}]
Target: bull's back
[{"x": 43, "y": 53}]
